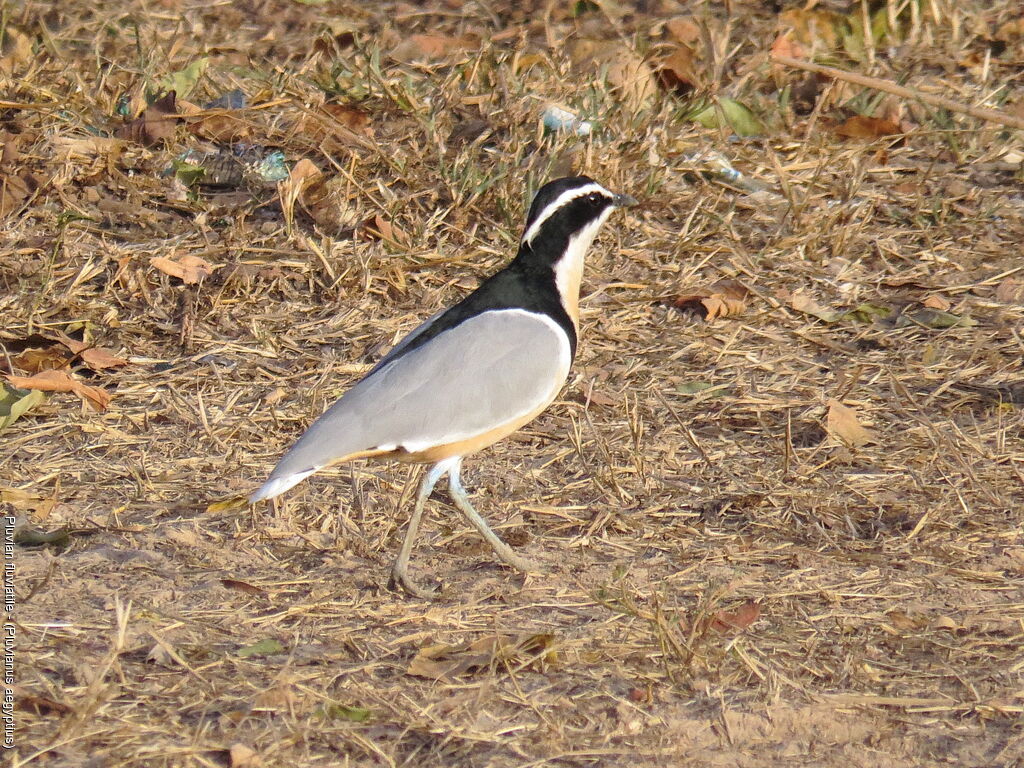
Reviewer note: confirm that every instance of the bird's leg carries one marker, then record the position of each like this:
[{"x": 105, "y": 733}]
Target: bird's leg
[
  {"x": 501, "y": 549},
  {"x": 400, "y": 570}
]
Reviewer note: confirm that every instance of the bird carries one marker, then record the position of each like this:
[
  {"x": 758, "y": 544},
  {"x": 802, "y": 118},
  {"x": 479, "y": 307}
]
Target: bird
[{"x": 471, "y": 374}]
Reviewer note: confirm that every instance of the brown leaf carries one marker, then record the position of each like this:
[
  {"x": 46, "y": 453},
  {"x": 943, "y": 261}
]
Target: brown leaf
[
  {"x": 334, "y": 126},
  {"x": 87, "y": 148},
  {"x": 10, "y": 152},
  {"x": 14, "y": 190},
  {"x": 99, "y": 358},
  {"x": 437, "y": 662},
  {"x": 628, "y": 74},
  {"x": 718, "y": 305},
  {"x": 842, "y": 422},
  {"x": 157, "y": 124},
  {"x": 35, "y": 360},
  {"x": 302, "y": 174},
  {"x": 432, "y": 47},
  {"x": 935, "y": 301},
  {"x": 15, "y": 50},
  {"x": 96, "y": 358},
  {"x": 801, "y": 302},
  {"x": 221, "y": 127},
  {"x": 353, "y": 118},
  {"x": 36, "y": 704},
  {"x": 1010, "y": 30},
  {"x": 189, "y": 269},
  {"x": 677, "y": 71},
  {"x": 243, "y": 756},
  {"x": 62, "y": 381},
  {"x": 1010, "y": 291},
  {"x": 859, "y": 127},
  {"x": 39, "y": 507},
  {"x": 379, "y": 228},
  {"x": 785, "y": 45},
  {"x": 683, "y": 29},
  {"x": 724, "y": 298},
  {"x": 244, "y": 586},
  {"x": 816, "y": 29},
  {"x": 741, "y": 618}
]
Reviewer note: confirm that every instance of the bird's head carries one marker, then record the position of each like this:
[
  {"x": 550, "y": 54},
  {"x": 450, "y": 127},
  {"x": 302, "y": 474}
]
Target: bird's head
[{"x": 572, "y": 208}]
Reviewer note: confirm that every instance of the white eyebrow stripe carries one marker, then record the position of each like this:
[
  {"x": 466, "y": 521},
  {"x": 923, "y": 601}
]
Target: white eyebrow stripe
[{"x": 566, "y": 197}]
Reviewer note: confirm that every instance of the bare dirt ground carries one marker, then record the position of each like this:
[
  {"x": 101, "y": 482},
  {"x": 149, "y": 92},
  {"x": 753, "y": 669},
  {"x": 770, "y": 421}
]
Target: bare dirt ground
[{"x": 781, "y": 514}]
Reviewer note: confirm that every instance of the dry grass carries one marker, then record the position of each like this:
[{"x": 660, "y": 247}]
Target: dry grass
[{"x": 890, "y": 576}]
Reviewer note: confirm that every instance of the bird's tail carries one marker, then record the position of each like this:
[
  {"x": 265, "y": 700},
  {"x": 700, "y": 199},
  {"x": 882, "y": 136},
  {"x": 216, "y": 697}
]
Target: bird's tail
[{"x": 275, "y": 486}]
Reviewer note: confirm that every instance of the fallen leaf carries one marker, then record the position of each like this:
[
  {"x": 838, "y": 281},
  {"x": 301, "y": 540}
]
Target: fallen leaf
[
  {"x": 97, "y": 358},
  {"x": 189, "y": 269},
  {"x": 867, "y": 312},
  {"x": 724, "y": 298},
  {"x": 842, "y": 422},
  {"x": 36, "y": 704},
  {"x": 40, "y": 507},
  {"x": 859, "y": 127},
  {"x": 785, "y": 45},
  {"x": 88, "y": 148},
  {"x": 432, "y": 47},
  {"x": 335, "y": 711},
  {"x": 15, "y": 49},
  {"x": 683, "y": 29},
  {"x": 945, "y": 622},
  {"x": 184, "y": 81},
  {"x": 301, "y": 176},
  {"x": 244, "y": 586},
  {"x": 158, "y": 123},
  {"x": 1010, "y": 291},
  {"x": 933, "y": 318},
  {"x": 14, "y": 190},
  {"x": 699, "y": 387},
  {"x": 623, "y": 69},
  {"x": 677, "y": 71},
  {"x": 804, "y": 303},
  {"x": 35, "y": 360},
  {"x": 9, "y": 153},
  {"x": 935, "y": 301},
  {"x": 15, "y": 403},
  {"x": 221, "y": 127},
  {"x": 62, "y": 381},
  {"x": 728, "y": 113},
  {"x": 740, "y": 618},
  {"x": 379, "y": 228},
  {"x": 1010, "y": 30},
  {"x": 814, "y": 28},
  {"x": 244, "y": 757},
  {"x": 266, "y": 647},
  {"x": 334, "y": 126},
  {"x": 437, "y": 662},
  {"x": 351, "y": 117}
]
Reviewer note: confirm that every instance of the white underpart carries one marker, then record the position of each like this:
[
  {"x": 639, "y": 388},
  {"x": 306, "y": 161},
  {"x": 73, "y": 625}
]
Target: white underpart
[
  {"x": 566, "y": 197},
  {"x": 569, "y": 268},
  {"x": 278, "y": 485}
]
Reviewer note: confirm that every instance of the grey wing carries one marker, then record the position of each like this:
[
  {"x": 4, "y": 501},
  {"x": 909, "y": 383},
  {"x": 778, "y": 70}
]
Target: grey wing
[
  {"x": 405, "y": 342},
  {"x": 484, "y": 373}
]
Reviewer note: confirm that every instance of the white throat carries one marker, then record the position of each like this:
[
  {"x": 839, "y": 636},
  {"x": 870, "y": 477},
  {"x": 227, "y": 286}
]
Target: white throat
[{"x": 569, "y": 269}]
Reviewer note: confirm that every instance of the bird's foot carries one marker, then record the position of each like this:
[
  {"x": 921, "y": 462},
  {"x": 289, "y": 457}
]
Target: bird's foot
[{"x": 400, "y": 579}]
